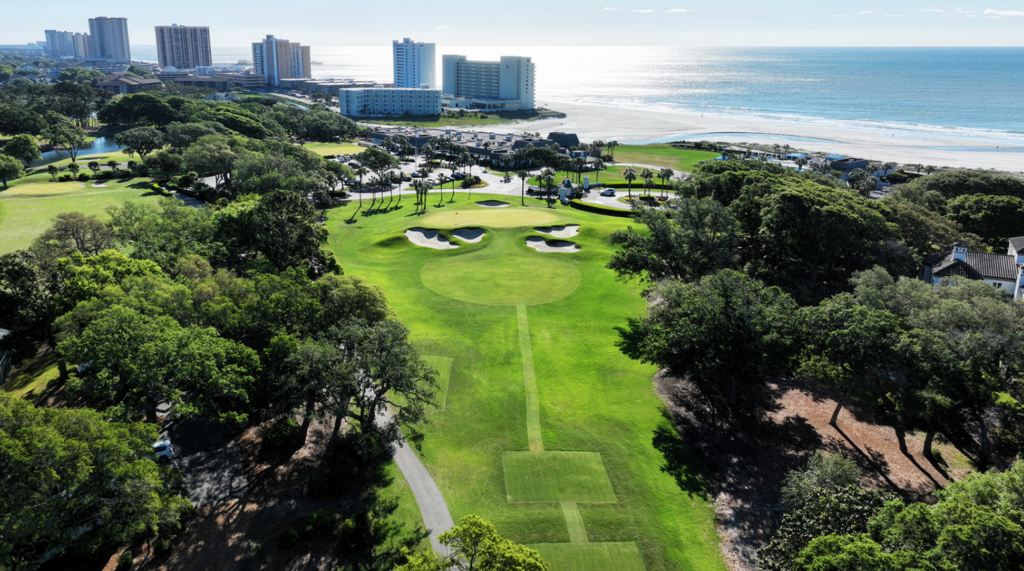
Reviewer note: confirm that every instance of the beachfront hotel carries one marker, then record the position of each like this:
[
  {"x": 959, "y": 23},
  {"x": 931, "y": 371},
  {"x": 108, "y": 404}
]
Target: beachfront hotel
[
  {"x": 108, "y": 39},
  {"x": 366, "y": 102},
  {"x": 415, "y": 64},
  {"x": 183, "y": 47},
  {"x": 506, "y": 84},
  {"x": 280, "y": 59}
]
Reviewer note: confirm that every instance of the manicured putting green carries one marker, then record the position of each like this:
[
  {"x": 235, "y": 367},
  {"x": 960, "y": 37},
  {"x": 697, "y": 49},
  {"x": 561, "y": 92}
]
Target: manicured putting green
[
  {"x": 556, "y": 476},
  {"x": 493, "y": 217},
  {"x": 443, "y": 366},
  {"x": 590, "y": 556},
  {"x": 507, "y": 280}
]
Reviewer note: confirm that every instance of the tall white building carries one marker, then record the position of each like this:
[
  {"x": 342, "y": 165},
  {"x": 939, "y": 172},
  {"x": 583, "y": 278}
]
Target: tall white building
[
  {"x": 183, "y": 47},
  {"x": 415, "y": 64},
  {"x": 366, "y": 102},
  {"x": 108, "y": 39},
  {"x": 81, "y": 46},
  {"x": 280, "y": 59},
  {"x": 60, "y": 44},
  {"x": 504, "y": 84}
]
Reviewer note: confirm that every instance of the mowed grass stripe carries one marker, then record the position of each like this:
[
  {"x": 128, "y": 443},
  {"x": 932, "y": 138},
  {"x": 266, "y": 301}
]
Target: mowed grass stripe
[
  {"x": 619, "y": 556},
  {"x": 443, "y": 366},
  {"x": 574, "y": 521},
  {"x": 556, "y": 476},
  {"x": 530, "y": 381}
]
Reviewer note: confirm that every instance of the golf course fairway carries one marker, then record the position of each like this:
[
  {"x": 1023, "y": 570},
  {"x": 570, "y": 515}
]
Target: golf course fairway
[{"x": 543, "y": 426}]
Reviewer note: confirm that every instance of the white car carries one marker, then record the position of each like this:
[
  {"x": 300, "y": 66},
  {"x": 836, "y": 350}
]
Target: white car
[
  {"x": 162, "y": 451},
  {"x": 608, "y": 192}
]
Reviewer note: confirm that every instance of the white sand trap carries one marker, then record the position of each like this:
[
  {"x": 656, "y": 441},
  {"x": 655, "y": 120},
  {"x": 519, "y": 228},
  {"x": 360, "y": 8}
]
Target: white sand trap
[
  {"x": 99, "y": 186},
  {"x": 428, "y": 239},
  {"x": 492, "y": 203},
  {"x": 471, "y": 235},
  {"x": 558, "y": 246},
  {"x": 567, "y": 231}
]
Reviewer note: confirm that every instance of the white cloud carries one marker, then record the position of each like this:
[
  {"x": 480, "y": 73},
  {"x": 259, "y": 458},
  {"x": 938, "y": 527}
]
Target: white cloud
[
  {"x": 681, "y": 10},
  {"x": 938, "y": 10},
  {"x": 642, "y": 11},
  {"x": 895, "y": 15},
  {"x": 443, "y": 28},
  {"x": 606, "y": 9},
  {"x": 991, "y": 12},
  {"x": 866, "y": 12},
  {"x": 962, "y": 11}
]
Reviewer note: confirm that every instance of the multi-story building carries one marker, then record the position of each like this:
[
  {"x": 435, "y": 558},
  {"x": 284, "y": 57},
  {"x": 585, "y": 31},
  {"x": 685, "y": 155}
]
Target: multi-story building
[
  {"x": 389, "y": 101},
  {"x": 504, "y": 84},
  {"x": 108, "y": 39},
  {"x": 183, "y": 47},
  {"x": 300, "y": 61},
  {"x": 60, "y": 44},
  {"x": 280, "y": 59},
  {"x": 81, "y": 46},
  {"x": 415, "y": 64}
]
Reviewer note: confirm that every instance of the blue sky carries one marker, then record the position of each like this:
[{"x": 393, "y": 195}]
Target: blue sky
[{"x": 550, "y": 22}]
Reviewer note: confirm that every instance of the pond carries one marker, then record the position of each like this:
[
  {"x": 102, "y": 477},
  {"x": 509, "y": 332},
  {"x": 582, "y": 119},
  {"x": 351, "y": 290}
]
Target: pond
[{"x": 98, "y": 146}]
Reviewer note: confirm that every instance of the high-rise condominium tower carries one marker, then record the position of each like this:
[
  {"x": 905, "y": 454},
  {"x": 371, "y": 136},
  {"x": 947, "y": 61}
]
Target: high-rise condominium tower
[
  {"x": 108, "y": 39},
  {"x": 81, "y": 46},
  {"x": 414, "y": 64},
  {"x": 280, "y": 59},
  {"x": 183, "y": 47},
  {"x": 60, "y": 44},
  {"x": 509, "y": 79}
]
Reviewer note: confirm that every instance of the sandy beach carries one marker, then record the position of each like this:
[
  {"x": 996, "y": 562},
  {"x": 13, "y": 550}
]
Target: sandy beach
[{"x": 636, "y": 126}]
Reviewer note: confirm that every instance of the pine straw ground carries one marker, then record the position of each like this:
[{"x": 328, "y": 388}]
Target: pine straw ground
[{"x": 746, "y": 458}]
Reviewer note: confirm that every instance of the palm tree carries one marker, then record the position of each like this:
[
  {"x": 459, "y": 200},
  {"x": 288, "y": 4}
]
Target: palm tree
[
  {"x": 648, "y": 177},
  {"x": 611, "y": 148},
  {"x": 523, "y": 175},
  {"x": 630, "y": 175},
  {"x": 598, "y": 166},
  {"x": 598, "y": 146},
  {"x": 549, "y": 180},
  {"x": 929, "y": 169},
  {"x": 665, "y": 175},
  {"x": 800, "y": 162},
  {"x": 577, "y": 165}
]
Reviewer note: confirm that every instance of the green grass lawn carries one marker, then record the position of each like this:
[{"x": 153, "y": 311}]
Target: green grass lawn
[
  {"x": 29, "y": 205},
  {"x": 662, "y": 155},
  {"x": 30, "y": 377},
  {"x": 519, "y": 327},
  {"x": 324, "y": 149}
]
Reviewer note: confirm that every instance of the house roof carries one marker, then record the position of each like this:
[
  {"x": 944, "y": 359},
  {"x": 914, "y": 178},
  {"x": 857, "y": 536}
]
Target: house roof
[
  {"x": 977, "y": 266},
  {"x": 120, "y": 78},
  {"x": 1017, "y": 243}
]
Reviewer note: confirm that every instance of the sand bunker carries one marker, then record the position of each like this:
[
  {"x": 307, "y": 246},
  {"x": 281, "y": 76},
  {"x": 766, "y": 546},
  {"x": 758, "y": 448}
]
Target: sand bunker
[
  {"x": 492, "y": 203},
  {"x": 472, "y": 235},
  {"x": 428, "y": 239},
  {"x": 560, "y": 246},
  {"x": 99, "y": 186},
  {"x": 567, "y": 231}
]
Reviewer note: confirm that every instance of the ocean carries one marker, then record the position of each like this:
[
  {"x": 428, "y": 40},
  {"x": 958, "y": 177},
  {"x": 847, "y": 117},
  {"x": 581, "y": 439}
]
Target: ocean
[{"x": 965, "y": 93}]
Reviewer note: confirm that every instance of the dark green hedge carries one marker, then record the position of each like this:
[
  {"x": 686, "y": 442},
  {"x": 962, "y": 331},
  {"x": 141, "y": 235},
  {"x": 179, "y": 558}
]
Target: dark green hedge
[{"x": 599, "y": 209}]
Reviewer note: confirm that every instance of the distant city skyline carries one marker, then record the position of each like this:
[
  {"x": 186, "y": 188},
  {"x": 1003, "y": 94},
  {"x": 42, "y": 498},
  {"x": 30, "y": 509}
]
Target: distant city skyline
[{"x": 582, "y": 22}]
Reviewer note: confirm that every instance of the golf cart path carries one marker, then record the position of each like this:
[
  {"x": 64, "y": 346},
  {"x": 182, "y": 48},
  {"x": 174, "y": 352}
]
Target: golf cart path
[{"x": 433, "y": 508}]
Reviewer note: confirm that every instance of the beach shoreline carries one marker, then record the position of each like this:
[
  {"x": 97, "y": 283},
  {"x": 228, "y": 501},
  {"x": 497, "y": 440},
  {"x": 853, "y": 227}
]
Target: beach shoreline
[{"x": 634, "y": 126}]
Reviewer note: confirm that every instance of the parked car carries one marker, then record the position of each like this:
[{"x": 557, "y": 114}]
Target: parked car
[
  {"x": 354, "y": 164},
  {"x": 608, "y": 192},
  {"x": 162, "y": 451},
  {"x": 415, "y": 175}
]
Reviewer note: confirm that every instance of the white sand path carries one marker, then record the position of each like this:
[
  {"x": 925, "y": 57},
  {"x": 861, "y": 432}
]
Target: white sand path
[
  {"x": 471, "y": 235},
  {"x": 567, "y": 231},
  {"x": 553, "y": 246},
  {"x": 429, "y": 239}
]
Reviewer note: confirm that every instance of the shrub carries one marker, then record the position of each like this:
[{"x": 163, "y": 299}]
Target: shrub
[
  {"x": 124, "y": 561},
  {"x": 84, "y": 177},
  {"x": 104, "y": 175},
  {"x": 280, "y": 435},
  {"x": 288, "y": 539},
  {"x": 65, "y": 178},
  {"x": 163, "y": 548},
  {"x": 320, "y": 523},
  {"x": 834, "y": 470},
  {"x": 206, "y": 193}
]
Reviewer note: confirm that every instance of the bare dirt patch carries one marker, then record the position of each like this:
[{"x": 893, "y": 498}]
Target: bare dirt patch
[{"x": 746, "y": 458}]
